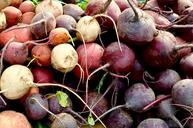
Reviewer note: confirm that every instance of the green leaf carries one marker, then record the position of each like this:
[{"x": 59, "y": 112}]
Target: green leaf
[
  {"x": 38, "y": 124},
  {"x": 62, "y": 99},
  {"x": 82, "y": 3},
  {"x": 98, "y": 88},
  {"x": 90, "y": 120}
]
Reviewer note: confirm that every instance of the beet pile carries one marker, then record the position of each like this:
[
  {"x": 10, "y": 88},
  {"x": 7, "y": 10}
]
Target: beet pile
[{"x": 96, "y": 64}]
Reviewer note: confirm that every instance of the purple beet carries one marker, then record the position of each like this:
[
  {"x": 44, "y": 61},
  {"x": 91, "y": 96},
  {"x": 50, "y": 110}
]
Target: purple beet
[
  {"x": 119, "y": 119},
  {"x": 182, "y": 92},
  {"x": 186, "y": 65},
  {"x": 164, "y": 81},
  {"x": 153, "y": 123}
]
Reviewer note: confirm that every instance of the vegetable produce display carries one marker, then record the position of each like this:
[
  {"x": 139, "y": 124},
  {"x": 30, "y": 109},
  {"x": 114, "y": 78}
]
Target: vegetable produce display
[{"x": 96, "y": 64}]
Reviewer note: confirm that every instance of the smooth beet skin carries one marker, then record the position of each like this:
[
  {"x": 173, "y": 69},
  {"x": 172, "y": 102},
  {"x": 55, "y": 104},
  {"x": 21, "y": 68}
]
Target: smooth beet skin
[
  {"x": 120, "y": 62},
  {"x": 153, "y": 123},
  {"x": 186, "y": 65}
]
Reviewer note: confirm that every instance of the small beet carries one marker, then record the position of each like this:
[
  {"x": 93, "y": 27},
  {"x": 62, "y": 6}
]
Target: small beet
[{"x": 66, "y": 21}]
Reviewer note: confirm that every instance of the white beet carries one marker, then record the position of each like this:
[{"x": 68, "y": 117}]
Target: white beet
[
  {"x": 89, "y": 28},
  {"x": 16, "y": 81},
  {"x": 53, "y": 6},
  {"x": 64, "y": 58}
]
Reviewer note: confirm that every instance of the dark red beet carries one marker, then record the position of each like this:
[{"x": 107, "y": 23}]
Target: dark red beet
[
  {"x": 165, "y": 80},
  {"x": 153, "y": 123},
  {"x": 137, "y": 72},
  {"x": 186, "y": 65},
  {"x": 42, "y": 75},
  {"x": 66, "y": 21},
  {"x": 186, "y": 34},
  {"x": 16, "y": 53},
  {"x": 136, "y": 28},
  {"x": 121, "y": 62},
  {"x": 172, "y": 17},
  {"x": 119, "y": 119},
  {"x": 160, "y": 53},
  {"x": 101, "y": 106},
  {"x": 182, "y": 92},
  {"x": 138, "y": 96},
  {"x": 73, "y": 10}
]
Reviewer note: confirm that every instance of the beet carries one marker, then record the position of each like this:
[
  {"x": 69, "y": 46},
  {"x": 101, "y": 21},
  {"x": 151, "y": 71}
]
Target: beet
[
  {"x": 167, "y": 3},
  {"x": 66, "y": 21},
  {"x": 185, "y": 51},
  {"x": 160, "y": 53},
  {"x": 121, "y": 62},
  {"x": 42, "y": 75},
  {"x": 153, "y": 123},
  {"x": 119, "y": 119},
  {"x": 33, "y": 109},
  {"x": 138, "y": 96},
  {"x": 182, "y": 92},
  {"x": 164, "y": 81},
  {"x": 136, "y": 27},
  {"x": 186, "y": 65},
  {"x": 73, "y": 10}
]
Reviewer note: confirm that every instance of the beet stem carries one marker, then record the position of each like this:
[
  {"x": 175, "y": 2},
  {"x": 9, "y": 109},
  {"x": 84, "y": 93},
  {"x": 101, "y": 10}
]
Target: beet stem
[
  {"x": 136, "y": 18},
  {"x": 95, "y": 71},
  {"x": 3, "y": 100},
  {"x": 110, "y": 110},
  {"x": 74, "y": 93},
  {"x": 155, "y": 102},
  {"x": 176, "y": 121},
  {"x": 178, "y": 47}
]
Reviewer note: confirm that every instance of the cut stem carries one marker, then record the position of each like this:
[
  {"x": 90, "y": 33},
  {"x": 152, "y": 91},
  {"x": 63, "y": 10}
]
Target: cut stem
[{"x": 134, "y": 10}]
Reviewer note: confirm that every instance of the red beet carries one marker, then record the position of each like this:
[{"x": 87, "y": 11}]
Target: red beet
[{"x": 186, "y": 65}]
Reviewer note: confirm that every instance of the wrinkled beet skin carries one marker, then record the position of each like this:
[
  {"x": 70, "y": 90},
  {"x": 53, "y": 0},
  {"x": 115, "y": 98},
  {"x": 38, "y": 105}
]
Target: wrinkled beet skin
[
  {"x": 102, "y": 105},
  {"x": 165, "y": 80},
  {"x": 33, "y": 109},
  {"x": 138, "y": 96},
  {"x": 160, "y": 53},
  {"x": 119, "y": 119},
  {"x": 153, "y": 123},
  {"x": 182, "y": 92},
  {"x": 120, "y": 62},
  {"x": 186, "y": 65}
]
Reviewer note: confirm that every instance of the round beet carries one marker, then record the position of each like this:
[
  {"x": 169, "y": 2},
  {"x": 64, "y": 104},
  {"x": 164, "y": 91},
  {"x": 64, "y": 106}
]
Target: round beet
[
  {"x": 33, "y": 106},
  {"x": 153, "y": 123},
  {"x": 66, "y": 21},
  {"x": 182, "y": 92},
  {"x": 16, "y": 53},
  {"x": 121, "y": 62},
  {"x": 186, "y": 65},
  {"x": 160, "y": 53},
  {"x": 119, "y": 119},
  {"x": 136, "y": 27},
  {"x": 73, "y": 10},
  {"x": 138, "y": 96},
  {"x": 165, "y": 80},
  {"x": 42, "y": 75}
]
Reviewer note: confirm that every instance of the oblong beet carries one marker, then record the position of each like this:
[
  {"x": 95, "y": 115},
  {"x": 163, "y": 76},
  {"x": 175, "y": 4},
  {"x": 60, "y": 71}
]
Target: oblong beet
[
  {"x": 182, "y": 92},
  {"x": 121, "y": 62},
  {"x": 153, "y": 123}
]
